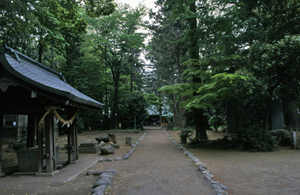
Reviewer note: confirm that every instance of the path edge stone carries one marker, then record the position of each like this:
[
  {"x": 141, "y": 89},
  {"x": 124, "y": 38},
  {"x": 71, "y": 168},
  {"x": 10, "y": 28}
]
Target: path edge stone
[{"x": 134, "y": 145}]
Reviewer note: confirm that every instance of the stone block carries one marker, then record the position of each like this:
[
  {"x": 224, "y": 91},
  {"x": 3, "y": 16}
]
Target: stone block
[{"x": 88, "y": 150}]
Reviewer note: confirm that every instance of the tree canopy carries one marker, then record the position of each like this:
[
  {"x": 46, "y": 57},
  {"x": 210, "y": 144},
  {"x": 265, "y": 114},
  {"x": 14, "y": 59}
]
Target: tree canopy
[{"x": 208, "y": 62}]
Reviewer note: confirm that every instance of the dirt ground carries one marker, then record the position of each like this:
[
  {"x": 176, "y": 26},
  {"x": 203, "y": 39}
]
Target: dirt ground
[
  {"x": 157, "y": 167},
  {"x": 244, "y": 173},
  {"x": 81, "y": 185},
  {"x": 10, "y": 158},
  {"x": 251, "y": 173}
]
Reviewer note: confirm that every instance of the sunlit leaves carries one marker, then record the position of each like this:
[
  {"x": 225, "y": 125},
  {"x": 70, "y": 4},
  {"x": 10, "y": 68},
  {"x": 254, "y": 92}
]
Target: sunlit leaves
[
  {"x": 96, "y": 8},
  {"x": 222, "y": 87}
]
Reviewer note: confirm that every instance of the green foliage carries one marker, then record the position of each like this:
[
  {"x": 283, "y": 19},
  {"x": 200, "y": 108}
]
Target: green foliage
[
  {"x": 185, "y": 134},
  {"x": 274, "y": 64},
  {"x": 254, "y": 140},
  {"x": 183, "y": 89},
  {"x": 133, "y": 109},
  {"x": 203, "y": 54},
  {"x": 154, "y": 102},
  {"x": 80, "y": 124},
  {"x": 216, "y": 121},
  {"x": 221, "y": 88},
  {"x": 249, "y": 54},
  {"x": 117, "y": 44},
  {"x": 153, "y": 99},
  {"x": 17, "y": 23},
  {"x": 96, "y": 8}
]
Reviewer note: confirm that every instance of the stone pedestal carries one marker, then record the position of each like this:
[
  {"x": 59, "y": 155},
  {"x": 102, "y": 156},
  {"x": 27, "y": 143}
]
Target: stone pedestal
[
  {"x": 128, "y": 140},
  {"x": 88, "y": 148}
]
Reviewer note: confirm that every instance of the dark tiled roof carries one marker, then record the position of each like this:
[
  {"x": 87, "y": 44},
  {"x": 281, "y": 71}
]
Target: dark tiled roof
[{"x": 42, "y": 77}]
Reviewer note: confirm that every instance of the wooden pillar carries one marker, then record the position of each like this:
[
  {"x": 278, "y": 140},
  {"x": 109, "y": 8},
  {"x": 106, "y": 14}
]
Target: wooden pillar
[
  {"x": 49, "y": 128},
  {"x": 53, "y": 145},
  {"x": 40, "y": 136},
  {"x": 31, "y": 131},
  {"x": 40, "y": 152},
  {"x": 74, "y": 141},
  {"x": 76, "y": 138},
  {"x": 1, "y": 138},
  {"x": 69, "y": 146}
]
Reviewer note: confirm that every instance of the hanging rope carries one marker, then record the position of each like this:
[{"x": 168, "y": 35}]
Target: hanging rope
[
  {"x": 41, "y": 122},
  {"x": 60, "y": 119}
]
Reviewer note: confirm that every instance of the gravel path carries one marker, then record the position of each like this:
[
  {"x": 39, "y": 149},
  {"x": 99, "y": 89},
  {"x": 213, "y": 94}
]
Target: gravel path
[{"x": 157, "y": 167}]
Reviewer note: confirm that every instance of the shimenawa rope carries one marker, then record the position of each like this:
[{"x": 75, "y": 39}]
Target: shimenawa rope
[{"x": 59, "y": 118}]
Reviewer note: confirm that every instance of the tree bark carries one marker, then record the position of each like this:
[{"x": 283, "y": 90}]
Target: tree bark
[
  {"x": 266, "y": 120},
  {"x": 199, "y": 120},
  {"x": 175, "y": 118},
  {"x": 291, "y": 117},
  {"x": 182, "y": 118},
  {"x": 115, "y": 106}
]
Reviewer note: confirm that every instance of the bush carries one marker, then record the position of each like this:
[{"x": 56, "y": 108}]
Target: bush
[
  {"x": 216, "y": 121},
  {"x": 254, "y": 140},
  {"x": 184, "y": 135}
]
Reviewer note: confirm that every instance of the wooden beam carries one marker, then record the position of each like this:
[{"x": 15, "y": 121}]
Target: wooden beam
[{"x": 16, "y": 108}]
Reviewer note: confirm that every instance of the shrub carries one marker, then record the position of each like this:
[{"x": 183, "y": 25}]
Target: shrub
[
  {"x": 184, "y": 135},
  {"x": 254, "y": 140}
]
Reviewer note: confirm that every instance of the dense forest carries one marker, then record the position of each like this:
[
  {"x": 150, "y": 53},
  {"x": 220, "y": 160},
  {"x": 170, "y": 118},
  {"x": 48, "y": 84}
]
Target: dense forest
[{"x": 211, "y": 63}]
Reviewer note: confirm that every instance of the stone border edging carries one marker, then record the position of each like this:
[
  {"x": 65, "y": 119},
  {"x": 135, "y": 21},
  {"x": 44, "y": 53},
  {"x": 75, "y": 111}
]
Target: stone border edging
[
  {"x": 106, "y": 177},
  {"x": 219, "y": 188},
  {"x": 134, "y": 145},
  {"x": 105, "y": 180}
]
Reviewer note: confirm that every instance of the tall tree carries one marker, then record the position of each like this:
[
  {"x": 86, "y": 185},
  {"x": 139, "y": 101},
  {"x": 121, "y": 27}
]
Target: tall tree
[
  {"x": 17, "y": 23},
  {"x": 167, "y": 51},
  {"x": 114, "y": 36},
  {"x": 187, "y": 12}
]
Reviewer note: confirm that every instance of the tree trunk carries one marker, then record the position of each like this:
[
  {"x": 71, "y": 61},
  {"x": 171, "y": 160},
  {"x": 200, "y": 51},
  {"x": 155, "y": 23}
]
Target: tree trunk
[
  {"x": 41, "y": 48},
  {"x": 175, "y": 118},
  {"x": 182, "y": 118},
  {"x": 231, "y": 117},
  {"x": 266, "y": 120},
  {"x": 131, "y": 74},
  {"x": 291, "y": 117},
  {"x": 114, "y": 117},
  {"x": 200, "y": 122},
  {"x": 106, "y": 122}
]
